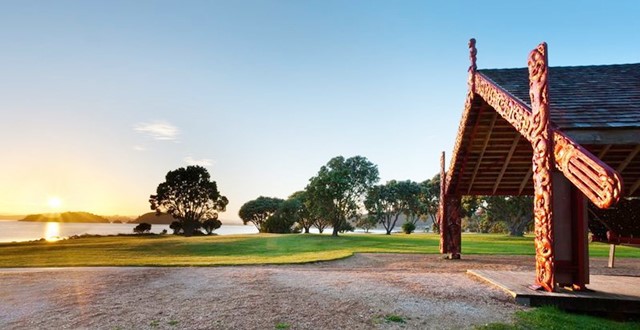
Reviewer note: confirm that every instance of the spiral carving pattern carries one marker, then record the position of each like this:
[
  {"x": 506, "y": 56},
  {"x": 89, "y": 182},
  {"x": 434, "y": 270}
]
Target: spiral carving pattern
[{"x": 539, "y": 132}]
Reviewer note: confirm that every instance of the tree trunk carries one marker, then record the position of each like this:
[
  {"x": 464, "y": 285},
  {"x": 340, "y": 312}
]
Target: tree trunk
[
  {"x": 335, "y": 231},
  {"x": 306, "y": 230},
  {"x": 388, "y": 231}
]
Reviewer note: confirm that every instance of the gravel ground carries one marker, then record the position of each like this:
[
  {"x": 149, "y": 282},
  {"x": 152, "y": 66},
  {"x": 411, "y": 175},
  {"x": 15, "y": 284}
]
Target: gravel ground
[{"x": 354, "y": 293}]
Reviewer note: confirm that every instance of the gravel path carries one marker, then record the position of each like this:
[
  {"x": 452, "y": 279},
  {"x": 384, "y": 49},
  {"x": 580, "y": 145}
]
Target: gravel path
[{"x": 354, "y": 293}]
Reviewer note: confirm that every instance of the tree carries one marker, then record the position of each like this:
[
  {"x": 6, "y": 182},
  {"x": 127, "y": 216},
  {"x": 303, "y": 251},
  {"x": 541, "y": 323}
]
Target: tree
[
  {"x": 142, "y": 228},
  {"x": 430, "y": 200},
  {"x": 302, "y": 215},
  {"x": 259, "y": 210},
  {"x": 210, "y": 225},
  {"x": 387, "y": 202},
  {"x": 471, "y": 213},
  {"x": 515, "y": 212},
  {"x": 284, "y": 219},
  {"x": 366, "y": 222},
  {"x": 189, "y": 196},
  {"x": 336, "y": 191},
  {"x": 176, "y": 226}
]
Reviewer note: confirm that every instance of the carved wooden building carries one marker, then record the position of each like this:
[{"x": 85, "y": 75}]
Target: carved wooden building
[{"x": 569, "y": 136}]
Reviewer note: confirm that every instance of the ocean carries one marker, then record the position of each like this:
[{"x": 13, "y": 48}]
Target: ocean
[{"x": 19, "y": 231}]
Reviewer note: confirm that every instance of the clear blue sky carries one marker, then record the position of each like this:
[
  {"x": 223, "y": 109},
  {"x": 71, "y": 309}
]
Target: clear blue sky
[{"x": 99, "y": 99}]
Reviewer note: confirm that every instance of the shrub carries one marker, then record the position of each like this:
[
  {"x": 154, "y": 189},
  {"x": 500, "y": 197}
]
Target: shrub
[
  {"x": 176, "y": 226},
  {"x": 210, "y": 225},
  {"x": 142, "y": 228},
  {"x": 408, "y": 227}
]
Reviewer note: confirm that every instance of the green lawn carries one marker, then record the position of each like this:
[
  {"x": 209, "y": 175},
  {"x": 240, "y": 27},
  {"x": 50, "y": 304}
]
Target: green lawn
[
  {"x": 552, "y": 318},
  {"x": 169, "y": 250}
]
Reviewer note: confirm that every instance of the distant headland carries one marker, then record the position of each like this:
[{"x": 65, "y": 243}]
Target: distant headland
[{"x": 66, "y": 217}]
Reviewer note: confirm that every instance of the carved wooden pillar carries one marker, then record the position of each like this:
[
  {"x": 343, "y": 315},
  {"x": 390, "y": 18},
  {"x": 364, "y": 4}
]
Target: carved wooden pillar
[
  {"x": 442, "y": 218},
  {"x": 453, "y": 229},
  {"x": 542, "y": 162},
  {"x": 473, "y": 52}
]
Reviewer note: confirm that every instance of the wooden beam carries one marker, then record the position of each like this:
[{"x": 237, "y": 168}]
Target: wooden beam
[
  {"x": 474, "y": 130},
  {"x": 604, "y": 150},
  {"x": 484, "y": 148},
  {"x": 506, "y": 162},
  {"x": 526, "y": 179},
  {"x": 628, "y": 160},
  {"x": 602, "y": 136},
  {"x": 634, "y": 187}
]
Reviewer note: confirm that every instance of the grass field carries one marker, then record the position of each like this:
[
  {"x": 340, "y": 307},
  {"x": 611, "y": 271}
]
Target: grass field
[
  {"x": 170, "y": 250},
  {"x": 551, "y": 318}
]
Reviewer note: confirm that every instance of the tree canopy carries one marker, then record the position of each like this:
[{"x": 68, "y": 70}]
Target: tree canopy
[
  {"x": 515, "y": 212},
  {"x": 189, "y": 195},
  {"x": 259, "y": 210},
  {"x": 387, "y": 202},
  {"x": 337, "y": 190}
]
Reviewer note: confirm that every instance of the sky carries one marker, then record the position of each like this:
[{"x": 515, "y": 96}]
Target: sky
[{"x": 100, "y": 99}]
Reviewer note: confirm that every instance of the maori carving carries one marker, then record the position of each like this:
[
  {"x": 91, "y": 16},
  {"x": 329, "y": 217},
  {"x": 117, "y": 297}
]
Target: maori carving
[
  {"x": 513, "y": 110},
  {"x": 599, "y": 182},
  {"x": 539, "y": 133},
  {"x": 453, "y": 228},
  {"x": 473, "y": 67}
]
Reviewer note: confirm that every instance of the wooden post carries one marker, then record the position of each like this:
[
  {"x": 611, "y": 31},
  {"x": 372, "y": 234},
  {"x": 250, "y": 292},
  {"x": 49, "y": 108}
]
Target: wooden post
[
  {"x": 442, "y": 209},
  {"x": 454, "y": 232},
  {"x": 612, "y": 255},
  {"x": 542, "y": 162}
]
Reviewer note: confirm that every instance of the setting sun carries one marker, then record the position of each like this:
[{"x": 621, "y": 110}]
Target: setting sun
[{"x": 54, "y": 202}]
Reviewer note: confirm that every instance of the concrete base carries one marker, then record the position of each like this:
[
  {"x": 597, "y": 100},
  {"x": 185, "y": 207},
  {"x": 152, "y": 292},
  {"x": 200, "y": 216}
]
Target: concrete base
[{"x": 605, "y": 295}]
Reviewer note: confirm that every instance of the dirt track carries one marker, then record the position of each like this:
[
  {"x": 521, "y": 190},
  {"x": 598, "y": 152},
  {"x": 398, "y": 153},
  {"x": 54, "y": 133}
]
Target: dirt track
[{"x": 355, "y": 293}]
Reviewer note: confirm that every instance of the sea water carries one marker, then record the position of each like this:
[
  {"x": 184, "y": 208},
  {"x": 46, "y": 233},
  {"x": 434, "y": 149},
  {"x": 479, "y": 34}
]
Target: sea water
[{"x": 18, "y": 231}]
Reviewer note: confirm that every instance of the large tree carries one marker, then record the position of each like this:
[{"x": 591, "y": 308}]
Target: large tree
[
  {"x": 299, "y": 201},
  {"x": 430, "y": 200},
  {"x": 387, "y": 202},
  {"x": 189, "y": 195},
  {"x": 337, "y": 190},
  {"x": 515, "y": 212},
  {"x": 259, "y": 210}
]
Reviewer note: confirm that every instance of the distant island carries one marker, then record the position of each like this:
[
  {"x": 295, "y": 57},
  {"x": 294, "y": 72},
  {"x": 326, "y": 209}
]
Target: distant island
[
  {"x": 152, "y": 218},
  {"x": 66, "y": 217}
]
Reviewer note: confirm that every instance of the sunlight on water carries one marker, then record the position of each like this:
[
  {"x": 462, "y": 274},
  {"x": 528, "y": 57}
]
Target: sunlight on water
[{"x": 52, "y": 231}]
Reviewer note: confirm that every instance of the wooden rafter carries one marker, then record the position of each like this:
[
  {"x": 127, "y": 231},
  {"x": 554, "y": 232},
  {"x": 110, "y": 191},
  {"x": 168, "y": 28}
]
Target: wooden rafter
[
  {"x": 604, "y": 151},
  {"x": 506, "y": 163},
  {"x": 471, "y": 137},
  {"x": 526, "y": 179},
  {"x": 634, "y": 187},
  {"x": 484, "y": 149},
  {"x": 628, "y": 160}
]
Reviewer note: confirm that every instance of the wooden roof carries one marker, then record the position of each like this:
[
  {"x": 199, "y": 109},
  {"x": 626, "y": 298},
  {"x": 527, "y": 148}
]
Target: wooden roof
[{"x": 597, "y": 108}]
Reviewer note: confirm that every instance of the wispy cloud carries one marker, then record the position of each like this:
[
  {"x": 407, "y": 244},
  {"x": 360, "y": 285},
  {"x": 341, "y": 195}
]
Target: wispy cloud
[
  {"x": 158, "y": 130},
  {"x": 139, "y": 148},
  {"x": 201, "y": 162}
]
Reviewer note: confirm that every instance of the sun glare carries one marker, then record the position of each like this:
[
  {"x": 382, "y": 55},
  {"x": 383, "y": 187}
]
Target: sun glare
[
  {"x": 52, "y": 231},
  {"x": 54, "y": 202}
]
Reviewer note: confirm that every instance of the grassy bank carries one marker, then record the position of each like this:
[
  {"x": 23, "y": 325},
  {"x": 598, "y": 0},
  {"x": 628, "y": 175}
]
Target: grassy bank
[
  {"x": 169, "y": 250},
  {"x": 554, "y": 319}
]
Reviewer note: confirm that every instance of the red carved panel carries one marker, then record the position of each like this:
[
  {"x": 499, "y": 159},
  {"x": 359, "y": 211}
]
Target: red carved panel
[
  {"x": 453, "y": 228},
  {"x": 599, "y": 182},
  {"x": 542, "y": 160},
  {"x": 513, "y": 110}
]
